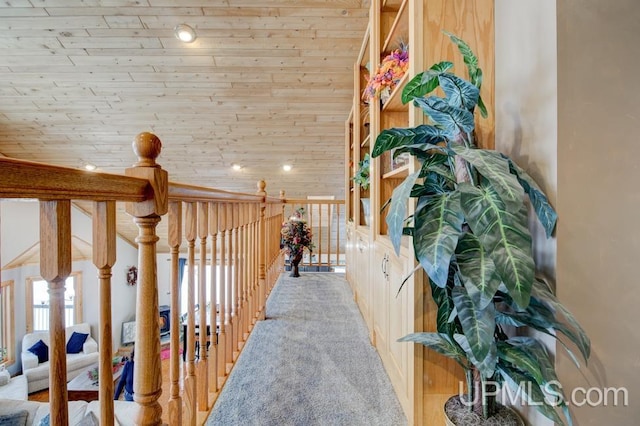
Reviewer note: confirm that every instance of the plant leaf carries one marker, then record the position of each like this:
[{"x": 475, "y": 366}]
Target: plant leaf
[
  {"x": 470, "y": 59},
  {"x": 533, "y": 348},
  {"x": 486, "y": 366},
  {"x": 504, "y": 235},
  {"x": 425, "y": 82},
  {"x": 477, "y": 270},
  {"x": 495, "y": 169},
  {"x": 514, "y": 379},
  {"x": 546, "y": 214},
  {"x": 440, "y": 343},
  {"x": 546, "y": 325},
  {"x": 438, "y": 225},
  {"x": 478, "y": 325},
  {"x": 576, "y": 333},
  {"x": 460, "y": 93},
  {"x": 397, "y": 137},
  {"x": 522, "y": 360},
  {"x": 443, "y": 301},
  {"x": 398, "y": 210},
  {"x": 454, "y": 120}
]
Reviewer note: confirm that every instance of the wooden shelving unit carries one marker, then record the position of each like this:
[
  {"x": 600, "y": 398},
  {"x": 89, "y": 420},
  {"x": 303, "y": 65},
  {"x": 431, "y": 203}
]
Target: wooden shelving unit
[{"x": 422, "y": 380}]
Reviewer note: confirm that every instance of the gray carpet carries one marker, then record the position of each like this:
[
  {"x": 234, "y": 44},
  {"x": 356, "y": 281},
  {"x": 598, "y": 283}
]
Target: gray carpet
[{"x": 309, "y": 363}]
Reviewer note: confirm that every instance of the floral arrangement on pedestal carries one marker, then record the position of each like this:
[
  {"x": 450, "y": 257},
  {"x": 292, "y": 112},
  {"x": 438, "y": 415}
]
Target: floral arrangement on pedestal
[
  {"x": 296, "y": 236},
  {"x": 387, "y": 75}
]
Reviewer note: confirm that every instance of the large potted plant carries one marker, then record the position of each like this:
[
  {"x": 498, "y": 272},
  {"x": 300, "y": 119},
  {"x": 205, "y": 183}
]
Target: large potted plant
[
  {"x": 470, "y": 235},
  {"x": 362, "y": 178}
]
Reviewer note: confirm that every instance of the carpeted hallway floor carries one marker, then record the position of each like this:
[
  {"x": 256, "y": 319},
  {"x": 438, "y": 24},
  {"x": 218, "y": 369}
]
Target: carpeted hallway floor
[{"x": 309, "y": 363}]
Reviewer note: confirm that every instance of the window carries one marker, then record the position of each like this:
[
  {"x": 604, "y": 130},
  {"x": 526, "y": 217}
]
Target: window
[
  {"x": 7, "y": 323},
  {"x": 38, "y": 302}
]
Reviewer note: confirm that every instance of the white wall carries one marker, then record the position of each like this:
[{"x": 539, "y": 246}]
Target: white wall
[
  {"x": 20, "y": 230},
  {"x": 526, "y": 110}
]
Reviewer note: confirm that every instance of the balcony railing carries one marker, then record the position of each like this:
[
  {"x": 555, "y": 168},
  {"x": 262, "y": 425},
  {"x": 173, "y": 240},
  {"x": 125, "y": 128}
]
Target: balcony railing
[
  {"x": 41, "y": 316},
  {"x": 239, "y": 233}
]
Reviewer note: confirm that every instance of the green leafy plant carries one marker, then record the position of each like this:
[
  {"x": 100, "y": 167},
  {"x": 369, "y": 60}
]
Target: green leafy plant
[
  {"x": 361, "y": 177},
  {"x": 470, "y": 235}
]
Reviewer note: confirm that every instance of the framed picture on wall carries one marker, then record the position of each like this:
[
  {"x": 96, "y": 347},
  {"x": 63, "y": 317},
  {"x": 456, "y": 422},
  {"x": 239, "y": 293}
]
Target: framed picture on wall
[{"x": 128, "y": 333}]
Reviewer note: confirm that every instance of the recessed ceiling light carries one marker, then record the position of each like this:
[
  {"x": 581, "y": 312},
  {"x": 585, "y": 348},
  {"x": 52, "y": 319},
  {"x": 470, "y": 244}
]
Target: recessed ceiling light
[
  {"x": 287, "y": 167},
  {"x": 236, "y": 167},
  {"x": 185, "y": 33},
  {"x": 90, "y": 167}
]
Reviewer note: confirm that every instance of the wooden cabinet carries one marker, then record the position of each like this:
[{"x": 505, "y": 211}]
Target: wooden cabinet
[
  {"x": 362, "y": 278},
  {"x": 350, "y": 256},
  {"x": 393, "y": 318},
  {"x": 422, "y": 380}
]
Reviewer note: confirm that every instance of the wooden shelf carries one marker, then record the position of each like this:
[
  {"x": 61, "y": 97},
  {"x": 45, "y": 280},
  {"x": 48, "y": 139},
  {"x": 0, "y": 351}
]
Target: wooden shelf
[
  {"x": 399, "y": 30},
  {"x": 363, "y": 55},
  {"x": 392, "y": 4},
  {"x": 394, "y": 103},
  {"x": 400, "y": 172}
]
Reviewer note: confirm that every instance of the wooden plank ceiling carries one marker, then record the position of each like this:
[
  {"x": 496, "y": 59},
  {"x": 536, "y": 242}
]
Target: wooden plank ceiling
[{"x": 265, "y": 84}]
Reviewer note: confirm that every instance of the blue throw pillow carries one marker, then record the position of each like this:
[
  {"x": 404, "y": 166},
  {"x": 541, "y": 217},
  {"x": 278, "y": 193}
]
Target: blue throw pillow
[
  {"x": 74, "y": 345},
  {"x": 45, "y": 421},
  {"x": 41, "y": 350},
  {"x": 19, "y": 418}
]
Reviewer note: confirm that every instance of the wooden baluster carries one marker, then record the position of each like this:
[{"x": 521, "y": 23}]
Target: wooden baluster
[
  {"x": 250, "y": 262},
  {"x": 262, "y": 253},
  {"x": 245, "y": 274},
  {"x": 175, "y": 238},
  {"x": 241, "y": 277},
  {"x": 213, "y": 316},
  {"x": 236, "y": 276},
  {"x": 104, "y": 257},
  {"x": 203, "y": 382},
  {"x": 255, "y": 248},
  {"x": 338, "y": 222},
  {"x": 230, "y": 283},
  {"x": 222, "y": 221},
  {"x": 55, "y": 267},
  {"x": 255, "y": 213},
  {"x": 320, "y": 251},
  {"x": 148, "y": 372},
  {"x": 240, "y": 333},
  {"x": 190, "y": 382}
]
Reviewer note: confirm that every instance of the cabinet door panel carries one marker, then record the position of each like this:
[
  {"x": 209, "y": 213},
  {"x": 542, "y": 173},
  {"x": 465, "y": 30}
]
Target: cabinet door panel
[
  {"x": 363, "y": 285},
  {"x": 380, "y": 300},
  {"x": 398, "y": 321}
]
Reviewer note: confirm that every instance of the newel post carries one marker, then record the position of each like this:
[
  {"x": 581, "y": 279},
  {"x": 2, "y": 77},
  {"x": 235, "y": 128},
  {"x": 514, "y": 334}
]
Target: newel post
[
  {"x": 262, "y": 251},
  {"x": 147, "y": 373},
  {"x": 283, "y": 200}
]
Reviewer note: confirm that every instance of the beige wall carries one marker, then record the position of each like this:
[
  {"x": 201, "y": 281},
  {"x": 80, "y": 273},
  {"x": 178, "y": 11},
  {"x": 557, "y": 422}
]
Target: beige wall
[
  {"x": 599, "y": 194},
  {"x": 526, "y": 113}
]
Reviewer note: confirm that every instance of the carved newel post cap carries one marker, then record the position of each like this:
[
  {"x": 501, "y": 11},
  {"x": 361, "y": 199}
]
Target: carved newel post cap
[
  {"x": 282, "y": 194},
  {"x": 147, "y": 147},
  {"x": 262, "y": 185}
]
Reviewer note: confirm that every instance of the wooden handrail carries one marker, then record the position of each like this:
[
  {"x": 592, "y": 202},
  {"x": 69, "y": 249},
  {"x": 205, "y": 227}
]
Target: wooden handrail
[
  {"x": 28, "y": 179},
  {"x": 194, "y": 193},
  {"x": 309, "y": 201}
]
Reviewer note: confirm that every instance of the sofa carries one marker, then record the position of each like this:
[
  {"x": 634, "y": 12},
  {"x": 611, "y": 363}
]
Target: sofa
[
  {"x": 125, "y": 412},
  {"x": 37, "y": 373},
  {"x": 16, "y": 388}
]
